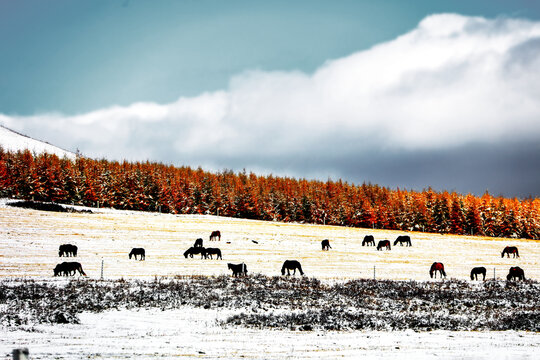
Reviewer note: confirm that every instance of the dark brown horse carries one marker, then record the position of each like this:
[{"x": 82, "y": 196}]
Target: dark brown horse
[
  {"x": 403, "y": 239},
  {"x": 437, "y": 266},
  {"x": 212, "y": 251},
  {"x": 384, "y": 244},
  {"x": 198, "y": 243},
  {"x": 238, "y": 269},
  {"x": 478, "y": 271},
  {"x": 516, "y": 273},
  {"x": 325, "y": 244},
  {"x": 510, "y": 250},
  {"x": 291, "y": 265},
  {"x": 138, "y": 251},
  {"x": 215, "y": 235},
  {"x": 67, "y": 250},
  {"x": 369, "y": 240},
  {"x": 194, "y": 251},
  {"x": 68, "y": 269}
]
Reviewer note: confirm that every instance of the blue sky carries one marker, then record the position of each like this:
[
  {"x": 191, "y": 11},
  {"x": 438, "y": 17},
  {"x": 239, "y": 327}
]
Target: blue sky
[
  {"x": 404, "y": 94},
  {"x": 77, "y": 56}
]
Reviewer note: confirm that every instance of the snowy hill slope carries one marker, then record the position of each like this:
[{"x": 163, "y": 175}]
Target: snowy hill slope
[{"x": 13, "y": 141}]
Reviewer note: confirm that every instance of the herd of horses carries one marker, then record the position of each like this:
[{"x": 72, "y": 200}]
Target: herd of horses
[{"x": 71, "y": 268}]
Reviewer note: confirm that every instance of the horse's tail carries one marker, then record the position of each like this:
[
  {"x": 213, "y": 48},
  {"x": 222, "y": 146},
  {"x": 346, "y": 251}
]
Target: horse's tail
[
  {"x": 517, "y": 252},
  {"x": 244, "y": 268},
  {"x": 219, "y": 254},
  {"x": 443, "y": 272}
]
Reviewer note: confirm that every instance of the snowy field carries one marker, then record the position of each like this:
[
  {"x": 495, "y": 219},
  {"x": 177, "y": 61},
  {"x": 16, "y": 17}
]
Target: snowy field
[
  {"x": 29, "y": 243},
  {"x": 194, "y": 333}
]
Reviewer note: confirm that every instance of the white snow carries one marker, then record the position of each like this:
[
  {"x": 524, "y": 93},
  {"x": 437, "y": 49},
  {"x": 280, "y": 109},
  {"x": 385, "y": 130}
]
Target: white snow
[
  {"x": 12, "y": 141},
  {"x": 195, "y": 333}
]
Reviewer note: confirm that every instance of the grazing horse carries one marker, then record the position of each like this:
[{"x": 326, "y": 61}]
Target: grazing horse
[
  {"x": 291, "y": 265},
  {"x": 67, "y": 250},
  {"x": 510, "y": 250},
  {"x": 369, "y": 240},
  {"x": 403, "y": 239},
  {"x": 437, "y": 266},
  {"x": 325, "y": 244},
  {"x": 198, "y": 243},
  {"x": 238, "y": 269},
  {"x": 68, "y": 268},
  {"x": 195, "y": 250},
  {"x": 478, "y": 271},
  {"x": 213, "y": 251},
  {"x": 138, "y": 251},
  {"x": 215, "y": 235},
  {"x": 384, "y": 244},
  {"x": 516, "y": 273}
]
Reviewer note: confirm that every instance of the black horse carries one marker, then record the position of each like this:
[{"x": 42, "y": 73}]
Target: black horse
[
  {"x": 138, "y": 251},
  {"x": 384, "y": 244},
  {"x": 478, "y": 271},
  {"x": 67, "y": 250},
  {"x": 215, "y": 235},
  {"x": 68, "y": 268},
  {"x": 516, "y": 273},
  {"x": 238, "y": 269},
  {"x": 401, "y": 239},
  {"x": 213, "y": 251},
  {"x": 325, "y": 244},
  {"x": 437, "y": 266},
  {"x": 291, "y": 265},
  {"x": 198, "y": 243},
  {"x": 369, "y": 240},
  {"x": 195, "y": 250},
  {"x": 510, "y": 250}
]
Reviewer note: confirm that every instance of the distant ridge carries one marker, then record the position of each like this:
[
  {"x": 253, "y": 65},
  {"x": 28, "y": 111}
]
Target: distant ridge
[{"x": 14, "y": 141}]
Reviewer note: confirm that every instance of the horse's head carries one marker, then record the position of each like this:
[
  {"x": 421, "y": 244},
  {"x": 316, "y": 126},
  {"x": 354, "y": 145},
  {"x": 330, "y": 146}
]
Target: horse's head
[{"x": 56, "y": 270}]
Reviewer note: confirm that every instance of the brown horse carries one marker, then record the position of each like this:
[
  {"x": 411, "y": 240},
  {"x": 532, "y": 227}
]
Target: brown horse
[
  {"x": 403, "y": 239},
  {"x": 215, "y": 235},
  {"x": 325, "y": 244},
  {"x": 291, "y": 265},
  {"x": 68, "y": 268},
  {"x": 369, "y": 240},
  {"x": 238, "y": 269},
  {"x": 384, "y": 244},
  {"x": 67, "y": 250},
  {"x": 478, "y": 271},
  {"x": 437, "y": 266},
  {"x": 510, "y": 250},
  {"x": 516, "y": 273},
  {"x": 138, "y": 251}
]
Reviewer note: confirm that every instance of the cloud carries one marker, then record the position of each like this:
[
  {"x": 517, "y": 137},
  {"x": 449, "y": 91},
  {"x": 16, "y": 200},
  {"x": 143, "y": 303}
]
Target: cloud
[{"x": 452, "y": 82}]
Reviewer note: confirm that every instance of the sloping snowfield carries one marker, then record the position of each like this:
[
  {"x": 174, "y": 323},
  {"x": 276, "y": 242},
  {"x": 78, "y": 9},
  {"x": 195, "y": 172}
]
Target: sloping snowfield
[
  {"x": 30, "y": 239},
  {"x": 29, "y": 243}
]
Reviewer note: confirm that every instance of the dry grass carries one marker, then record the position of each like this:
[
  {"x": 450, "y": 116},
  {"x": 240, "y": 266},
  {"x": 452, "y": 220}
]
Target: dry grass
[{"x": 29, "y": 243}]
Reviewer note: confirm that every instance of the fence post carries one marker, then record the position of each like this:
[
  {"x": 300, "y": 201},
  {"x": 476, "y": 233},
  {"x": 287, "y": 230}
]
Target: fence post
[
  {"x": 373, "y": 272},
  {"x": 159, "y": 208},
  {"x": 101, "y": 269},
  {"x": 494, "y": 278}
]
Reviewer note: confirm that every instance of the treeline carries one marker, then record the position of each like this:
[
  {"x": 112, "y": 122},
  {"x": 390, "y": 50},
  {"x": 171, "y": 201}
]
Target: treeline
[{"x": 183, "y": 190}]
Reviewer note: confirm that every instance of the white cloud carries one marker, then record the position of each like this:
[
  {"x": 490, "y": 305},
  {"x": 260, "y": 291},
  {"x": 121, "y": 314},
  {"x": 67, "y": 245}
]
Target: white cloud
[{"x": 451, "y": 81}]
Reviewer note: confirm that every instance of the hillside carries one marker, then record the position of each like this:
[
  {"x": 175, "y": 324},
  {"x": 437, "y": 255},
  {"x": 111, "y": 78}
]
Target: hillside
[{"x": 13, "y": 141}]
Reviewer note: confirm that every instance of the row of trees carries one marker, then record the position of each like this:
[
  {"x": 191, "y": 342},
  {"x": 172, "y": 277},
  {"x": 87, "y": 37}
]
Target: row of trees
[{"x": 182, "y": 190}]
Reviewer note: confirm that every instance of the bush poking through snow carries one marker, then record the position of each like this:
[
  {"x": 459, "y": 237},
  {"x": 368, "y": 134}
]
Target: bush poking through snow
[{"x": 284, "y": 303}]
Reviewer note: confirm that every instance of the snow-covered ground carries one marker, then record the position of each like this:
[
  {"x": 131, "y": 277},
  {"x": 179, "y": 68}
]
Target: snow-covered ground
[
  {"x": 29, "y": 243},
  {"x": 195, "y": 333},
  {"x": 13, "y": 141}
]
